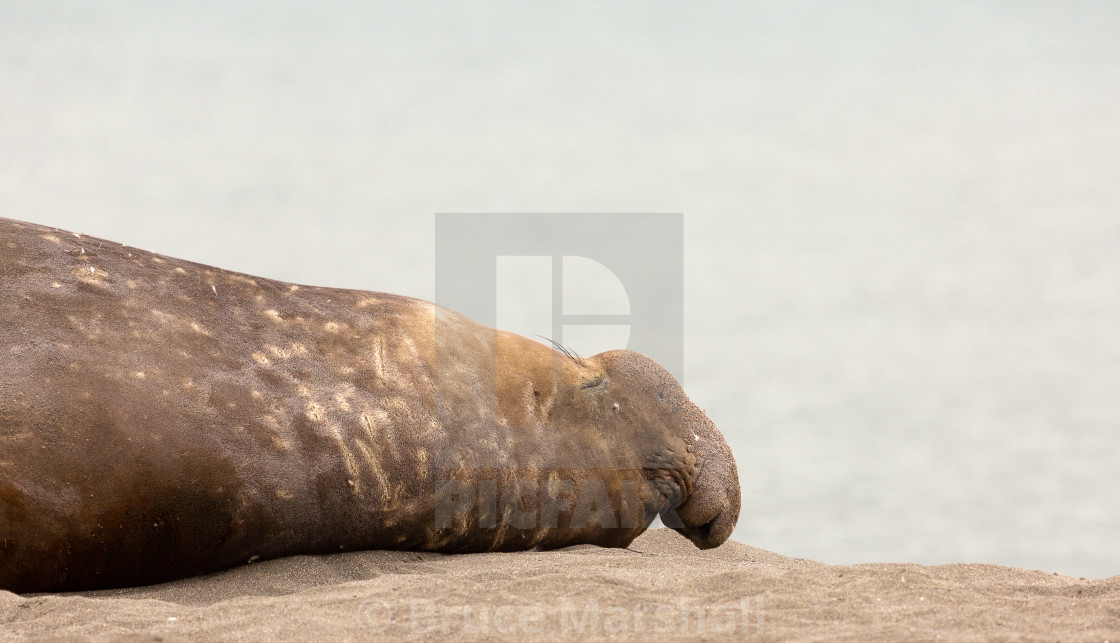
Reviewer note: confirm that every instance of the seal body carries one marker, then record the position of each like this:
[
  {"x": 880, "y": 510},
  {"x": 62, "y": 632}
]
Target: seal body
[{"x": 160, "y": 418}]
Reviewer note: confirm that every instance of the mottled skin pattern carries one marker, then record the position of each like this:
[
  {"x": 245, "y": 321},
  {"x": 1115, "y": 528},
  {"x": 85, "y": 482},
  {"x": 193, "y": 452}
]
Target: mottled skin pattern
[{"x": 161, "y": 418}]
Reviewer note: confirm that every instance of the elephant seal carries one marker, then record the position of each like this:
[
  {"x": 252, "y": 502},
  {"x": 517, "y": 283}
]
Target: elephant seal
[{"x": 160, "y": 419}]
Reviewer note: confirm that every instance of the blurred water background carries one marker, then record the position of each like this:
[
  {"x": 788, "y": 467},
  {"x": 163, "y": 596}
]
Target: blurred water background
[{"x": 902, "y": 220}]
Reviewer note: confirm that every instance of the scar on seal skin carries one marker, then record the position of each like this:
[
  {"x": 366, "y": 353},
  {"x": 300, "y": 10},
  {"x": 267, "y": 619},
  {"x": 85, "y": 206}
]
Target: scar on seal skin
[{"x": 160, "y": 419}]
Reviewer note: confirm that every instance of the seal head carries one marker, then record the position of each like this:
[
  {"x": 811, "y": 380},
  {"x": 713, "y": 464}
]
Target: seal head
[{"x": 683, "y": 448}]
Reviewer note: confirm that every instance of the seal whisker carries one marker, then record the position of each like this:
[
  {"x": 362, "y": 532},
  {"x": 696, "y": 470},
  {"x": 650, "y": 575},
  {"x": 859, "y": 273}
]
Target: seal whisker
[{"x": 574, "y": 356}]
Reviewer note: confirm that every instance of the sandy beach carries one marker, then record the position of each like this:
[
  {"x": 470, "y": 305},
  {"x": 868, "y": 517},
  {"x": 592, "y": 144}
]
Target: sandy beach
[{"x": 660, "y": 588}]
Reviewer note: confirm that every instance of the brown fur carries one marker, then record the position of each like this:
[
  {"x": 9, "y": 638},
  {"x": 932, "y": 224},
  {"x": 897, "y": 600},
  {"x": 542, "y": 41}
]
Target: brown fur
[{"x": 161, "y": 418}]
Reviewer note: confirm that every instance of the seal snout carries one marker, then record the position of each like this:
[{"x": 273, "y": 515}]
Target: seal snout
[
  {"x": 709, "y": 517},
  {"x": 712, "y": 533}
]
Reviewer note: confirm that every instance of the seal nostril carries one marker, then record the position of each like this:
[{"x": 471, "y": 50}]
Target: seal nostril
[
  {"x": 707, "y": 535},
  {"x": 706, "y": 529}
]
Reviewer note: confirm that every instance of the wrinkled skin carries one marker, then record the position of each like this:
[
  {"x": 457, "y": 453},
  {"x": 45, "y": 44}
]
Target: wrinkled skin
[{"x": 161, "y": 419}]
